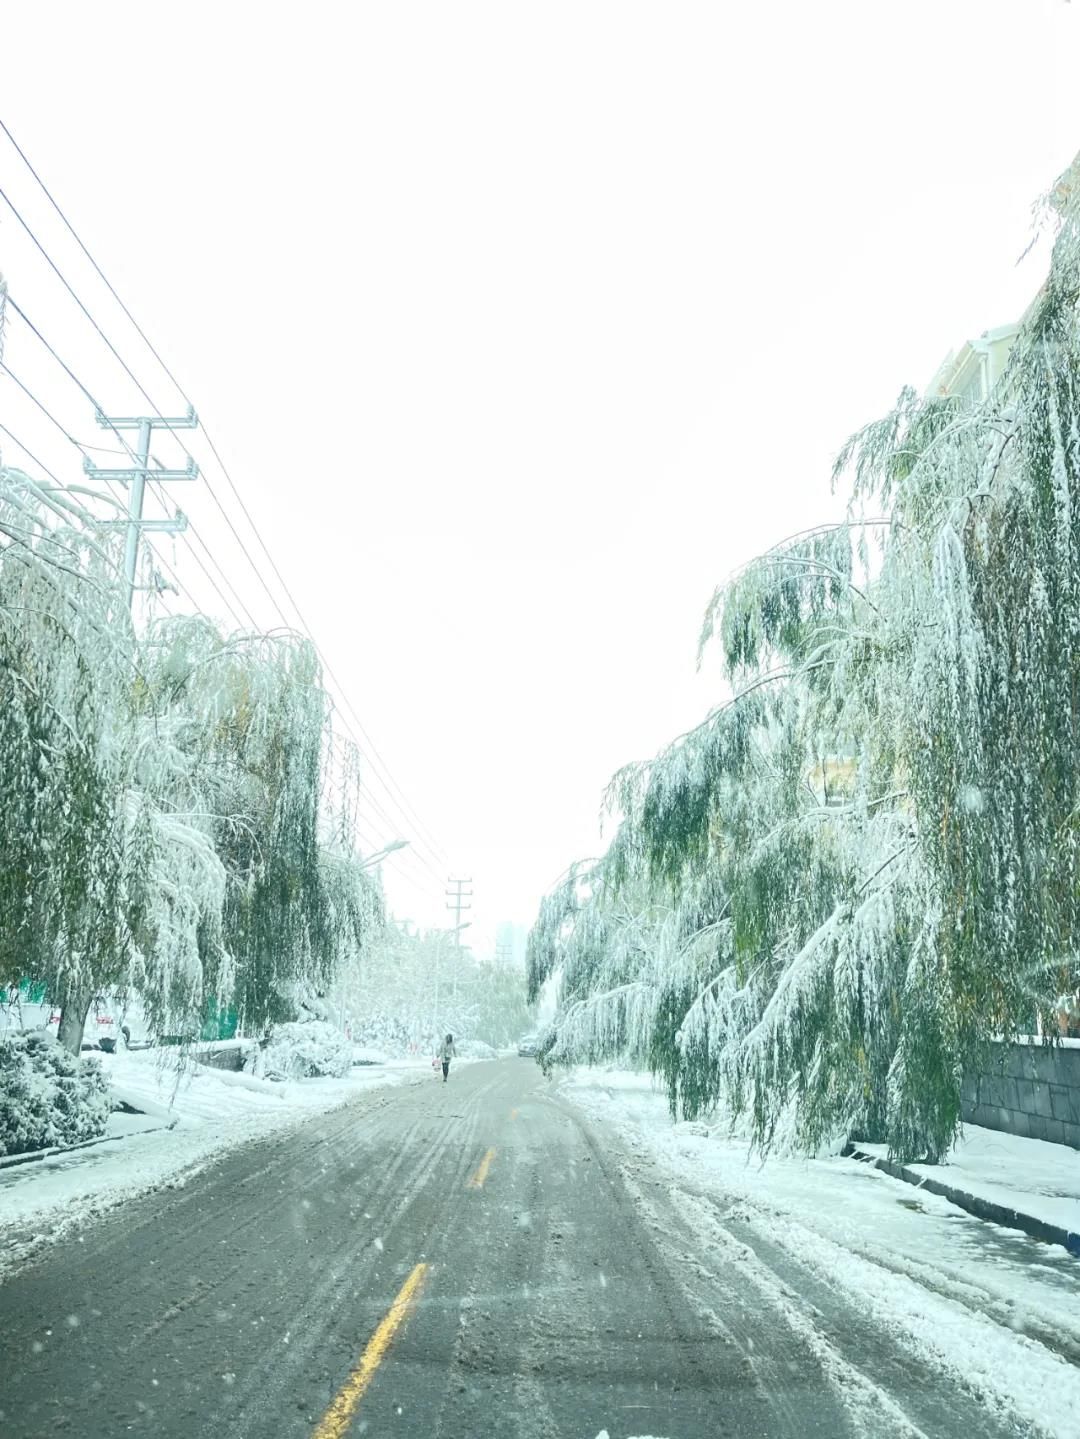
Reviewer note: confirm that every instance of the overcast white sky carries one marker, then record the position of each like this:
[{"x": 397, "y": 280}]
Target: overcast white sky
[{"x": 520, "y": 326}]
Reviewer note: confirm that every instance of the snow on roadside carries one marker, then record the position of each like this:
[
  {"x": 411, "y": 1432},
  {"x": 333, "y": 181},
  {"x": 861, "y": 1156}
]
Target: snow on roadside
[
  {"x": 1029, "y": 1175},
  {"x": 211, "y": 1111},
  {"x": 999, "y": 1311}
]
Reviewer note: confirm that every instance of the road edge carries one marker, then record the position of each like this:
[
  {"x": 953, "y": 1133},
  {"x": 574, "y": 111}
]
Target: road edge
[{"x": 973, "y": 1204}]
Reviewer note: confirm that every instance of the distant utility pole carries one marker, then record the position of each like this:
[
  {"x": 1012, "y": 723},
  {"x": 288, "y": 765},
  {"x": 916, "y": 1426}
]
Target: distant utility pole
[
  {"x": 136, "y": 477},
  {"x": 456, "y": 895}
]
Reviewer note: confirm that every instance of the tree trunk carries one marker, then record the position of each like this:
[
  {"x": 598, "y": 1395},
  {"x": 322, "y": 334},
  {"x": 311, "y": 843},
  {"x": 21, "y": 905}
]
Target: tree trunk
[{"x": 74, "y": 1001}]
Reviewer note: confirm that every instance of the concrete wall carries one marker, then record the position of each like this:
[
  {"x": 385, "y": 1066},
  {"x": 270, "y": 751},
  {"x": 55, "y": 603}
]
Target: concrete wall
[{"x": 1028, "y": 1089}]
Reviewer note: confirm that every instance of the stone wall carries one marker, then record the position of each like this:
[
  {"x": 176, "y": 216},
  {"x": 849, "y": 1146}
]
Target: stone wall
[{"x": 1028, "y": 1089}]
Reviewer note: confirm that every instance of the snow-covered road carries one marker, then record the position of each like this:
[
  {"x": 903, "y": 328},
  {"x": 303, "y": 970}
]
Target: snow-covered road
[
  {"x": 188, "y": 1119},
  {"x": 997, "y": 1310},
  {"x": 503, "y": 1255}
]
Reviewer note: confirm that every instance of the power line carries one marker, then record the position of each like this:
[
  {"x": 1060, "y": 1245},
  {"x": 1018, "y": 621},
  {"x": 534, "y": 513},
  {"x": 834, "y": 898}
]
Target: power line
[
  {"x": 181, "y": 589},
  {"x": 236, "y": 535},
  {"x": 25, "y": 318},
  {"x": 57, "y": 509},
  {"x": 92, "y": 400},
  {"x": 251, "y": 561},
  {"x": 192, "y": 534},
  {"x": 63, "y": 430},
  {"x": 42, "y": 407},
  {"x": 63, "y": 280},
  {"x": 217, "y": 588},
  {"x": 135, "y": 380},
  {"x": 112, "y": 490},
  {"x": 127, "y": 449},
  {"x": 32, "y": 457},
  {"x": 386, "y": 778},
  {"x": 79, "y": 444},
  {"x": 101, "y": 274},
  {"x": 408, "y": 809},
  {"x": 194, "y": 553},
  {"x": 243, "y": 547}
]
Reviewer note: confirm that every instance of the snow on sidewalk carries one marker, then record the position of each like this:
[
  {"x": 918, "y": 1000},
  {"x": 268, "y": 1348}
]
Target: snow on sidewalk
[
  {"x": 1027, "y": 1175},
  {"x": 996, "y": 1309},
  {"x": 211, "y": 1110}
]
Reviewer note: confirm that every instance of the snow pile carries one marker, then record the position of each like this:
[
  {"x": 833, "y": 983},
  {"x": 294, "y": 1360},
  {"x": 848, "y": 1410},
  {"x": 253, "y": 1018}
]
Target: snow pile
[
  {"x": 47, "y": 1096},
  {"x": 181, "y": 1091},
  {"x": 306, "y": 1050},
  {"x": 475, "y": 1049}
]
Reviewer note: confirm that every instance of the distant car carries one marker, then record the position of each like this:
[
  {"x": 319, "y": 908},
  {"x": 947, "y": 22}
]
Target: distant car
[{"x": 528, "y": 1046}]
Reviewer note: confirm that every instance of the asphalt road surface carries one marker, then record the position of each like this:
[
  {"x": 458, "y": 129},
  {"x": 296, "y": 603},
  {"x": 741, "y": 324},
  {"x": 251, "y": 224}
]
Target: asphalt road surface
[{"x": 450, "y": 1261}]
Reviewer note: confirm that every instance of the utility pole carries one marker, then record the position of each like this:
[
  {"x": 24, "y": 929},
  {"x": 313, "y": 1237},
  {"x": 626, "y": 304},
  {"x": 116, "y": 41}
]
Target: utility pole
[
  {"x": 135, "y": 477},
  {"x": 456, "y": 896},
  {"x": 456, "y": 899},
  {"x": 75, "y": 1007}
]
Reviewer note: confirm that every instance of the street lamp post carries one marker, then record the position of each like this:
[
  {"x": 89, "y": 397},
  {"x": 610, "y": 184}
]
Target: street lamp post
[{"x": 377, "y": 858}]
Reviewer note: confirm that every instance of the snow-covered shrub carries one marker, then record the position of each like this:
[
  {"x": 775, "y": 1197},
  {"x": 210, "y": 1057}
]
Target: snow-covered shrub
[
  {"x": 306, "y": 1051},
  {"x": 47, "y": 1096},
  {"x": 385, "y": 1032}
]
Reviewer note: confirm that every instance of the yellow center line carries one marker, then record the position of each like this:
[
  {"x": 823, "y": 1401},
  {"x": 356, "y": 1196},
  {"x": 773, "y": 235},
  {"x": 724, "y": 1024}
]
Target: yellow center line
[
  {"x": 339, "y": 1416},
  {"x": 477, "y": 1181}
]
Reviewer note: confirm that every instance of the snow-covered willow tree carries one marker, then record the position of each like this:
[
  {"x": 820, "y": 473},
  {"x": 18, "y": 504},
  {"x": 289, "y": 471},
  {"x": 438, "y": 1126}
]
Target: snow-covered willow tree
[
  {"x": 173, "y": 821},
  {"x": 66, "y": 657},
  {"x": 885, "y": 815},
  {"x": 237, "y": 747}
]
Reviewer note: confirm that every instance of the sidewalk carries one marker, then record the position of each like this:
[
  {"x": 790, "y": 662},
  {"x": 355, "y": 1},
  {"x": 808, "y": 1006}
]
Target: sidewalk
[
  {"x": 1024, "y": 1184},
  {"x": 120, "y": 1125}
]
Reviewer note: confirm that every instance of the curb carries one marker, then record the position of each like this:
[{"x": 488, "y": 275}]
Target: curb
[
  {"x": 10, "y": 1161},
  {"x": 981, "y": 1208}
]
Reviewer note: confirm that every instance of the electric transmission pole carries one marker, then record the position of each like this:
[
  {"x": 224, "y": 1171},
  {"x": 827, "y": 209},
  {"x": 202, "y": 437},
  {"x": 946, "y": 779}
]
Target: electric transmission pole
[
  {"x": 75, "y": 1007},
  {"x": 135, "y": 477},
  {"x": 456, "y": 897}
]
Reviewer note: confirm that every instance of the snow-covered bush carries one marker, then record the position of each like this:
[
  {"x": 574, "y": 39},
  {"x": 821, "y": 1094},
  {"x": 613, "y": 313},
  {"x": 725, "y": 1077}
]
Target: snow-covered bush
[
  {"x": 47, "y": 1096},
  {"x": 177, "y": 819},
  {"x": 306, "y": 1051},
  {"x": 385, "y": 1032}
]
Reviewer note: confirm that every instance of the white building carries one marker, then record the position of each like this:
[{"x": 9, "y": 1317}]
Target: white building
[{"x": 971, "y": 372}]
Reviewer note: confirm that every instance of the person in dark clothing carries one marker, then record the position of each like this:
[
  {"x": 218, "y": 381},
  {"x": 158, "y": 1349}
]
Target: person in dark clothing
[{"x": 448, "y": 1053}]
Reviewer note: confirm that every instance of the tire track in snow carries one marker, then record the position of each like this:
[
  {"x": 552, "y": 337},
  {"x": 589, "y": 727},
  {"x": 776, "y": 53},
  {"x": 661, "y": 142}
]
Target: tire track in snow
[{"x": 420, "y": 1158}]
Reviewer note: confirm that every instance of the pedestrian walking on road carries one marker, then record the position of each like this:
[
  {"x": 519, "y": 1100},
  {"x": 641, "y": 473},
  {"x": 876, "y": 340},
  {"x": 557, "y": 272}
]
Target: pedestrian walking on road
[{"x": 448, "y": 1053}]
